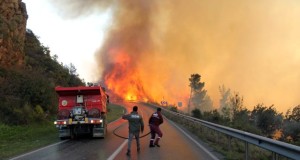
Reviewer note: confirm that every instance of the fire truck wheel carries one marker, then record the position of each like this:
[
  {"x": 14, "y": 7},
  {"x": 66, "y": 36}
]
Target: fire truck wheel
[{"x": 72, "y": 134}]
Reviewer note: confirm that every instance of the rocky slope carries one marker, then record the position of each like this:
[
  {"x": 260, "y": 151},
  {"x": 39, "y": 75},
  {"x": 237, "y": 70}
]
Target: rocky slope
[{"x": 13, "y": 19}]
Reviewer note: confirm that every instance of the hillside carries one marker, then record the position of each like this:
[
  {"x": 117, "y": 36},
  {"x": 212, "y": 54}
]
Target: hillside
[{"x": 28, "y": 72}]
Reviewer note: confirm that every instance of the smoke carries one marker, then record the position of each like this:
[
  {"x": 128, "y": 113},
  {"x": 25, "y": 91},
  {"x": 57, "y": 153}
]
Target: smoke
[{"x": 153, "y": 46}]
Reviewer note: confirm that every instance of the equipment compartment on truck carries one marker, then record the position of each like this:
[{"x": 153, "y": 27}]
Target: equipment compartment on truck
[{"x": 81, "y": 110}]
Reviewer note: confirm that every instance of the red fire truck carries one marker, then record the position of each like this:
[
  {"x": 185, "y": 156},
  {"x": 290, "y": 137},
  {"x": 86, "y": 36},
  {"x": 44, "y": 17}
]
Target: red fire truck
[{"x": 81, "y": 110}]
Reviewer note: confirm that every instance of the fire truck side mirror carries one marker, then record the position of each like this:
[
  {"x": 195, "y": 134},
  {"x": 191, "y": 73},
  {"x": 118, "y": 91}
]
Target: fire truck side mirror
[{"x": 79, "y": 99}]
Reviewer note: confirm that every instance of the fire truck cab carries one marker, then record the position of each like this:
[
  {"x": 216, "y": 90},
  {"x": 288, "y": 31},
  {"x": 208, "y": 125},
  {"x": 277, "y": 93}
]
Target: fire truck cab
[{"x": 81, "y": 110}]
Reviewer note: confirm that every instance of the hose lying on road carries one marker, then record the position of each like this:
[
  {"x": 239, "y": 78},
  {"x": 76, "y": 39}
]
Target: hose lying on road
[{"x": 127, "y": 137}]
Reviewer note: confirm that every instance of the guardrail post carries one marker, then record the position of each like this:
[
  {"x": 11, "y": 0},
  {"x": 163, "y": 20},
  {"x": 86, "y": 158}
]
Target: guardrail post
[
  {"x": 217, "y": 136},
  {"x": 246, "y": 150},
  {"x": 229, "y": 143},
  {"x": 274, "y": 156}
]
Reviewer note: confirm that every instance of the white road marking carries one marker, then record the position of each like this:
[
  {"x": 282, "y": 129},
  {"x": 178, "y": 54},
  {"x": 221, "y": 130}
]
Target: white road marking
[
  {"x": 110, "y": 158},
  {"x": 23, "y": 155},
  {"x": 192, "y": 139},
  {"x": 118, "y": 150}
]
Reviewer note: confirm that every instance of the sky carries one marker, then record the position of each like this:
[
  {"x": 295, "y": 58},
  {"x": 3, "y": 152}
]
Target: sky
[
  {"x": 72, "y": 40},
  {"x": 149, "y": 49}
]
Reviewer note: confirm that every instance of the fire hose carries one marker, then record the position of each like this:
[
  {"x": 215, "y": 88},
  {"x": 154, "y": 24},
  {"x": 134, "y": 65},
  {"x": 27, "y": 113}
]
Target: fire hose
[{"x": 114, "y": 132}]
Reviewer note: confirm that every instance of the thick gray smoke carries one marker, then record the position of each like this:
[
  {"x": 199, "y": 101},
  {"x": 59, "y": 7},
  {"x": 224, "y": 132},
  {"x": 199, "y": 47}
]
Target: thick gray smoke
[{"x": 153, "y": 46}]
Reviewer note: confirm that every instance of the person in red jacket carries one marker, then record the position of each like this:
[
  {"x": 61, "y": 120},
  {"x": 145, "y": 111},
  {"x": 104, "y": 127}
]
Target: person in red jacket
[{"x": 155, "y": 120}]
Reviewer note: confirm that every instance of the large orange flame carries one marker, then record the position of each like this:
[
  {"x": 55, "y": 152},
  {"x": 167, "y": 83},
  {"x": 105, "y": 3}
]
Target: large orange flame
[
  {"x": 134, "y": 81},
  {"x": 123, "y": 79}
]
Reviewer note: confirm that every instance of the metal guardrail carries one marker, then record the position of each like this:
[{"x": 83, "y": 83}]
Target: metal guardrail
[{"x": 276, "y": 147}]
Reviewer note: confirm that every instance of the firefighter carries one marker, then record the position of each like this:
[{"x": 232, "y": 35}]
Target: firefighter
[
  {"x": 155, "y": 120},
  {"x": 136, "y": 125}
]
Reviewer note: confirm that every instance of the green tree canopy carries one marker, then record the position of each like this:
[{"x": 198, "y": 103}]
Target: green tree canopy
[
  {"x": 27, "y": 94},
  {"x": 295, "y": 115},
  {"x": 196, "y": 113},
  {"x": 266, "y": 118}
]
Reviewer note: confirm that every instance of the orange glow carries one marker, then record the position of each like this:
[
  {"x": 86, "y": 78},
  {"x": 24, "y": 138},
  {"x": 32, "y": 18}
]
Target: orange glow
[
  {"x": 136, "y": 82},
  {"x": 122, "y": 79},
  {"x": 130, "y": 97},
  {"x": 248, "y": 47},
  {"x": 152, "y": 47},
  {"x": 277, "y": 134}
]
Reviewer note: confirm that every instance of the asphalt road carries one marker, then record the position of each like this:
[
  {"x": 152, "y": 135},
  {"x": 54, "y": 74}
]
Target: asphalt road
[{"x": 175, "y": 144}]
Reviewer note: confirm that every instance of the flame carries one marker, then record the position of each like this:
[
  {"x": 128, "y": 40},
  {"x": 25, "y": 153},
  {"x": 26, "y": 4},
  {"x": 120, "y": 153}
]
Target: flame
[
  {"x": 133, "y": 81},
  {"x": 122, "y": 79},
  {"x": 130, "y": 97},
  {"x": 152, "y": 47},
  {"x": 277, "y": 134}
]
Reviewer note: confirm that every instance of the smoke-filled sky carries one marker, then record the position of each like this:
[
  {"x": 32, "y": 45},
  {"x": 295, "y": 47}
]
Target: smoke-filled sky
[{"x": 152, "y": 47}]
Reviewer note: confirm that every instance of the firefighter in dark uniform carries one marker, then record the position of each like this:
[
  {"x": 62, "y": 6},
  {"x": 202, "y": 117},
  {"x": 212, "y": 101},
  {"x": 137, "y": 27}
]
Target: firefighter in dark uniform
[
  {"x": 155, "y": 120},
  {"x": 136, "y": 125}
]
